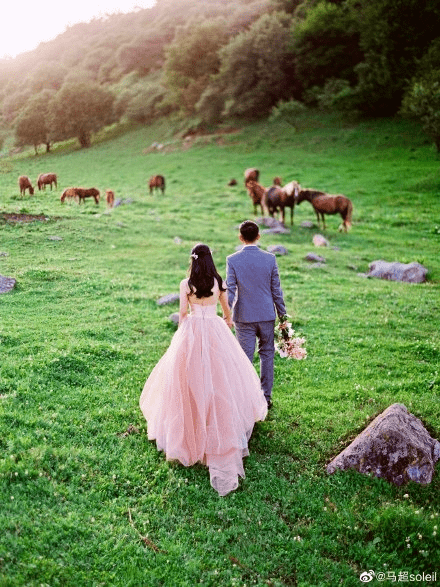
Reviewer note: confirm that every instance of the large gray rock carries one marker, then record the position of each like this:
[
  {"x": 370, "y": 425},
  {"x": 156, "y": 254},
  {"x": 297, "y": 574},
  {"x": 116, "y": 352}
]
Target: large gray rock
[
  {"x": 269, "y": 221},
  {"x": 6, "y": 284},
  {"x": 395, "y": 446},
  {"x": 168, "y": 299},
  {"x": 409, "y": 272},
  {"x": 276, "y": 230}
]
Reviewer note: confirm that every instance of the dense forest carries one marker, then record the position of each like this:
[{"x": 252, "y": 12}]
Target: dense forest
[{"x": 213, "y": 60}]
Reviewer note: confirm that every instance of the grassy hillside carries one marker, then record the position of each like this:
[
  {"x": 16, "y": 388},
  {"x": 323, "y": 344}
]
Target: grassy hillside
[{"x": 84, "y": 504}]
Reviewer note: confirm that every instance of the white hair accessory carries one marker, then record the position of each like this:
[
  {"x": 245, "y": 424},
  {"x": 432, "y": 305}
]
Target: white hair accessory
[{"x": 194, "y": 256}]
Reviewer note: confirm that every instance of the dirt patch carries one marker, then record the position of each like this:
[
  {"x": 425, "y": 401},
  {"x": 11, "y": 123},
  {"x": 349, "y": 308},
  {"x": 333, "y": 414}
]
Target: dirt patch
[{"x": 15, "y": 218}]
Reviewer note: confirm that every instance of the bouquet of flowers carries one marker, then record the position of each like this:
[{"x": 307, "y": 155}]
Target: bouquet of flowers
[{"x": 286, "y": 343}]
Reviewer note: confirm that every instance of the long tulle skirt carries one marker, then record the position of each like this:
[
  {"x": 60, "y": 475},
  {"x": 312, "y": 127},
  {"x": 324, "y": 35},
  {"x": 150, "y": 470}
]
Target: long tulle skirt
[{"x": 203, "y": 398}]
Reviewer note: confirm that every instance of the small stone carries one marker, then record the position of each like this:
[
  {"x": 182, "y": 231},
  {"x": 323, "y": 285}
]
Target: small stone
[
  {"x": 168, "y": 299},
  {"x": 177, "y": 240},
  {"x": 314, "y": 258},
  {"x": 54, "y": 238},
  {"x": 3, "y": 254},
  {"x": 6, "y": 284},
  {"x": 277, "y": 250},
  {"x": 276, "y": 230},
  {"x": 307, "y": 224},
  {"x": 320, "y": 241},
  {"x": 174, "y": 317}
]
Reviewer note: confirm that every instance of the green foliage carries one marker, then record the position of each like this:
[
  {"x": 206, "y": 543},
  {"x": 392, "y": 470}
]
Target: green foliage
[
  {"x": 32, "y": 126},
  {"x": 80, "y": 109},
  {"x": 423, "y": 102},
  {"x": 393, "y": 37},
  {"x": 254, "y": 68},
  {"x": 287, "y": 112},
  {"x": 191, "y": 59},
  {"x": 326, "y": 44}
]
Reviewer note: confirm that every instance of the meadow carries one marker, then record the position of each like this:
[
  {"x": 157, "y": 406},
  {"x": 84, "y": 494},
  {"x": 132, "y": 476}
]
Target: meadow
[{"x": 86, "y": 500}]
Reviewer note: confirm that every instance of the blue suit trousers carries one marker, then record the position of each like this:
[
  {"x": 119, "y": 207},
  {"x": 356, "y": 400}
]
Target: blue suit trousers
[{"x": 247, "y": 334}]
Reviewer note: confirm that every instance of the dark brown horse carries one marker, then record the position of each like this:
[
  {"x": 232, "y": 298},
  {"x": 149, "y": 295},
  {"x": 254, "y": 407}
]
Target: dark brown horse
[
  {"x": 282, "y": 197},
  {"x": 84, "y": 193},
  {"x": 257, "y": 194},
  {"x": 328, "y": 204},
  {"x": 157, "y": 181}
]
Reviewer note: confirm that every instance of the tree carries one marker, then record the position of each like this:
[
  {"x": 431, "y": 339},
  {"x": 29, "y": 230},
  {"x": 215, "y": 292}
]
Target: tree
[
  {"x": 191, "y": 59},
  {"x": 423, "y": 102},
  {"x": 32, "y": 126},
  {"x": 394, "y": 35},
  {"x": 326, "y": 45},
  {"x": 78, "y": 110},
  {"x": 256, "y": 70}
]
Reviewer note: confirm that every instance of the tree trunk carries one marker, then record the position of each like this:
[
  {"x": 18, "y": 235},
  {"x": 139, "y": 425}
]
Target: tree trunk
[
  {"x": 48, "y": 147},
  {"x": 84, "y": 139}
]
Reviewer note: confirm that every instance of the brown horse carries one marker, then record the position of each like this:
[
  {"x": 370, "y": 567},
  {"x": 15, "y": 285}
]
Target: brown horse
[
  {"x": 24, "y": 183},
  {"x": 251, "y": 174},
  {"x": 69, "y": 193},
  {"x": 46, "y": 179},
  {"x": 157, "y": 181},
  {"x": 110, "y": 198},
  {"x": 84, "y": 193},
  {"x": 282, "y": 197},
  {"x": 328, "y": 204},
  {"x": 258, "y": 195}
]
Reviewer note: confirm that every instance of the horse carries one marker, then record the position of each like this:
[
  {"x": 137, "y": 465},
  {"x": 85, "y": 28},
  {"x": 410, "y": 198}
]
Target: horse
[
  {"x": 69, "y": 193},
  {"x": 328, "y": 204},
  {"x": 251, "y": 174},
  {"x": 84, "y": 193},
  {"x": 258, "y": 195},
  {"x": 282, "y": 197},
  {"x": 24, "y": 183},
  {"x": 157, "y": 181},
  {"x": 46, "y": 179},
  {"x": 110, "y": 198}
]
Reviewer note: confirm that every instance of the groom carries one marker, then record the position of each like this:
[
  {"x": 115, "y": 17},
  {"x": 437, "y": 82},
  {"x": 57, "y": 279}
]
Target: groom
[{"x": 254, "y": 293}]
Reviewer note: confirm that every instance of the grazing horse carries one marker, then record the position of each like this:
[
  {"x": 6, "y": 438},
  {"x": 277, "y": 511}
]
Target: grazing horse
[
  {"x": 110, "y": 198},
  {"x": 24, "y": 183},
  {"x": 328, "y": 204},
  {"x": 157, "y": 181},
  {"x": 258, "y": 195},
  {"x": 69, "y": 193},
  {"x": 282, "y": 197},
  {"x": 251, "y": 174},
  {"x": 46, "y": 179},
  {"x": 84, "y": 193}
]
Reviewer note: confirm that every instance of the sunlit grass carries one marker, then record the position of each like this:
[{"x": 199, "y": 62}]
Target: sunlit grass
[{"x": 82, "y": 504}]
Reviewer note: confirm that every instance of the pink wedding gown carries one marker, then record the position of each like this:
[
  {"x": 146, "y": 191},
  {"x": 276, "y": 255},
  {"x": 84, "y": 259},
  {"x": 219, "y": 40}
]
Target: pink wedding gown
[{"x": 203, "y": 397}]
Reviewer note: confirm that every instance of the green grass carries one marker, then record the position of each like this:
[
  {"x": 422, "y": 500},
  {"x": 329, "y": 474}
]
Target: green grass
[{"x": 81, "y": 332}]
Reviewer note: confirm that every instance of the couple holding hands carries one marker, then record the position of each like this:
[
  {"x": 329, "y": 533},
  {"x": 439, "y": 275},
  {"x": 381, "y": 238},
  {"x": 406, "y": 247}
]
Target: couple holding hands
[{"x": 203, "y": 397}]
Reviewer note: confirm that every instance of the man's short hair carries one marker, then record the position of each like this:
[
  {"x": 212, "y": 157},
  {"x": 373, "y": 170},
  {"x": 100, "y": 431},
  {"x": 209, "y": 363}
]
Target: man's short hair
[{"x": 249, "y": 231}]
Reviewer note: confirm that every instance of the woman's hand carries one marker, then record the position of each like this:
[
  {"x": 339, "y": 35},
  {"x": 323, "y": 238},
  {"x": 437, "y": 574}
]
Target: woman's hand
[{"x": 229, "y": 322}]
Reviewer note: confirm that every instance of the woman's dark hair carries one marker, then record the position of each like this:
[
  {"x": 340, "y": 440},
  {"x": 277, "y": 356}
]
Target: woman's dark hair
[
  {"x": 249, "y": 231},
  {"x": 202, "y": 272}
]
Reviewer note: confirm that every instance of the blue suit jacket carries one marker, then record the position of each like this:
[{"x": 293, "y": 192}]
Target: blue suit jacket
[{"x": 253, "y": 283}]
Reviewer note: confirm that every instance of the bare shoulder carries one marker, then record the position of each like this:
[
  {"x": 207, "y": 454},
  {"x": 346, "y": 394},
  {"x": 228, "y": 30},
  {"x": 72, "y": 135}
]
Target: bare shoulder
[{"x": 184, "y": 283}]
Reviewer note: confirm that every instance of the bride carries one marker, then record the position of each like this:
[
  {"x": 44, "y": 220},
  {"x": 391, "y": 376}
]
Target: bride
[{"x": 203, "y": 397}]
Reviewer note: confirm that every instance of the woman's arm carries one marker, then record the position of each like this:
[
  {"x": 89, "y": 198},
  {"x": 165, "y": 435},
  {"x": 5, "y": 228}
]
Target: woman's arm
[
  {"x": 183, "y": 302},
  {"x": 223, "y": 299}
]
